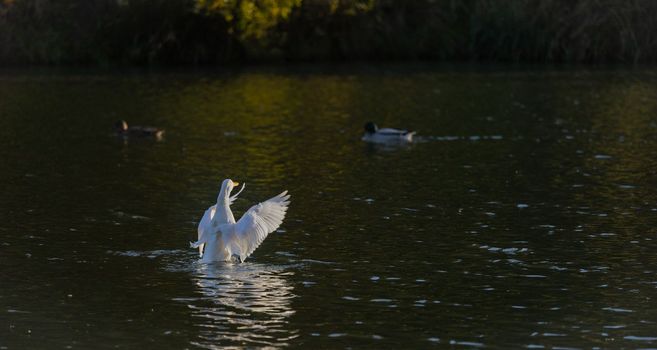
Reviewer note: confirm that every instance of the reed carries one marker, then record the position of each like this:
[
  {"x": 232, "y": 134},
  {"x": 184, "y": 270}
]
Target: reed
[{"x": 217, "y": 31}]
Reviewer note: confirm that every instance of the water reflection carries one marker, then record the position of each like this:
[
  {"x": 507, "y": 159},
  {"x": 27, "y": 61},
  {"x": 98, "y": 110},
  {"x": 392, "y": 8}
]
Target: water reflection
[
  {"x": 521, "y": 216},
  {"x": 242, "y": 304}
]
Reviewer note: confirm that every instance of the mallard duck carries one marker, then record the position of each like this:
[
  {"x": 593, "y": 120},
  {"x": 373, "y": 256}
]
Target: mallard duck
[
  {"x": 220, "y": 238},
  {"x": 122, "y": 129},
  {"x": 385, "y": 135}
]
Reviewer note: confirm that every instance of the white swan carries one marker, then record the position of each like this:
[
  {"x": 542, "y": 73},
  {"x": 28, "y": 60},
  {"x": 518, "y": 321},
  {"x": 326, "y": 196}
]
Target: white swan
[{"x": 221, "y": 238}]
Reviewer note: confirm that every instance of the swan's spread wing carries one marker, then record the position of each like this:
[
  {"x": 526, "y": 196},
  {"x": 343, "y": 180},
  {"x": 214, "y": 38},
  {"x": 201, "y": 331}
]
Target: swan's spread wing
[
  {"x": 233, "y": 198},
  {"x": 259, "y": 221},
  {"x": 204, "y": 228}
]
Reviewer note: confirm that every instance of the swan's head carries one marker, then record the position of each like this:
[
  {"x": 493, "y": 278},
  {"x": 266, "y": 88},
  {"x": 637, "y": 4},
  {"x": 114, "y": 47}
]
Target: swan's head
[
  {"x": 121, "y": 126},
  {"x": 228, "y": 186},
  {"x": 371, "y": 128}
]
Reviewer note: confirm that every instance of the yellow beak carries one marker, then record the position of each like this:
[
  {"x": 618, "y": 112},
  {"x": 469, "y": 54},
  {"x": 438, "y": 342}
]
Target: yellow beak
[{"x": 236, "y": 183}]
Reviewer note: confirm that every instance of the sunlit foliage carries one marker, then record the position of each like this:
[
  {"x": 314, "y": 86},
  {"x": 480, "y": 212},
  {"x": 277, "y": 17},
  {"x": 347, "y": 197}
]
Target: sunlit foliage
[
  {"x": 217, "y": 31},
  {"x": 253, "y": 22},
  {"x": 248, "y": 18}
]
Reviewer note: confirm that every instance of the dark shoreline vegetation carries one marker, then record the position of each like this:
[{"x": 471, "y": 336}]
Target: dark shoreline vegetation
[{"x": 145, "y": 32}]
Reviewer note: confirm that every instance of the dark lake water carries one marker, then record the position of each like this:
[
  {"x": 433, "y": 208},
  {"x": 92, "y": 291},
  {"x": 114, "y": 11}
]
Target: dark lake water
[{"x": 524, "y": 216}]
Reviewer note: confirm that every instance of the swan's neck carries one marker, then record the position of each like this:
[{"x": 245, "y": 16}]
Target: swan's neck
[{"x": 223, "y": 214}]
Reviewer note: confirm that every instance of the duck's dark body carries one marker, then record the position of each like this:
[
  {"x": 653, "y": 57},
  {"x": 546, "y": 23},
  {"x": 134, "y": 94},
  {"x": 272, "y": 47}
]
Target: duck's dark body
[{"x": 137, "y": 131}]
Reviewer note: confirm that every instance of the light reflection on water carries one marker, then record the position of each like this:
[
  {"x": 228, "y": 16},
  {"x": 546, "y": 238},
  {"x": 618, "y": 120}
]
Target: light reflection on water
[
  {"x": 232, "y": 305},
  {"x": 522, "y": 217},
  {"x": 242, "y": 304}
]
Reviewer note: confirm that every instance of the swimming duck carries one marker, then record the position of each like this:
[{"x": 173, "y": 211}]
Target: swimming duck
[
  {"x": 374, "y": 134},
  {"x": 220, "y": 238},
  {"x": 122, "y": 129}
]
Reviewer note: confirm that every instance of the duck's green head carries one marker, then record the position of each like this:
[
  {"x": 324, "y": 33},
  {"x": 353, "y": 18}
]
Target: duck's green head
[{"x": 371, "y": 128}]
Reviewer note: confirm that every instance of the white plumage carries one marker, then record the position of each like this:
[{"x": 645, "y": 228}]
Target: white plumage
[
  {"x": 221, "y": 238},
  {"x": 386, "y": 135},
  {"x": 206, "y": 221}
]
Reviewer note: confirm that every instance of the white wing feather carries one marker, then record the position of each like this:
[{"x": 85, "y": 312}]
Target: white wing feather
[
  {"x": 233, "y": 198},
  {"x": 259, "y": 221},
  {"x": 204, "y": 228}
]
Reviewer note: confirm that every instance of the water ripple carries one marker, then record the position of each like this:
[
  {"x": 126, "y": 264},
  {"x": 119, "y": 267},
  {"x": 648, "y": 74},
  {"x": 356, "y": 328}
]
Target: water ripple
[{"x": 241, "y": 304}]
